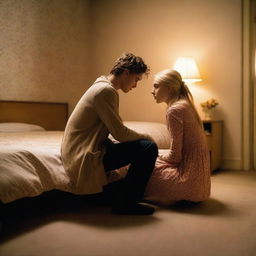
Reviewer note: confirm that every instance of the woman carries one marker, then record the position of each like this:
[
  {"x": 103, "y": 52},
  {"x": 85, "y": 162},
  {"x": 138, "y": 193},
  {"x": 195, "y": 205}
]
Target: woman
[{"x": 183, "y": 173}]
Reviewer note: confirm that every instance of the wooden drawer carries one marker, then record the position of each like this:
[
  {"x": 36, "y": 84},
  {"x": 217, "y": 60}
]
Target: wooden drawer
[
  {"x": 214, "y": 130},
  {"x": 209, "y": 141}
]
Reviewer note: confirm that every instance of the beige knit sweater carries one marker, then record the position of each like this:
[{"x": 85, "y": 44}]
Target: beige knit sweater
[
  {"x": 94, "y": 117},
  {"x": 184, "y": 172}
]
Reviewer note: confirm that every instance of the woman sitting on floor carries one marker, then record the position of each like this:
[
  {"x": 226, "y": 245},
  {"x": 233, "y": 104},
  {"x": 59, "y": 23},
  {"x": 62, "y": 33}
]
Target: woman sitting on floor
[{"x": 184, "y": 172}]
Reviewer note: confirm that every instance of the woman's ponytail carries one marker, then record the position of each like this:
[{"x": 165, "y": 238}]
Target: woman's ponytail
[{"x": 185, "y": 93}]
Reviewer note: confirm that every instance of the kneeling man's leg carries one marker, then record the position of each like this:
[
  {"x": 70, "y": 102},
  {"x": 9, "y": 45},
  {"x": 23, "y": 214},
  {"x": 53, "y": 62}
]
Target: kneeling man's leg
[{"x": 141, "y": 155}]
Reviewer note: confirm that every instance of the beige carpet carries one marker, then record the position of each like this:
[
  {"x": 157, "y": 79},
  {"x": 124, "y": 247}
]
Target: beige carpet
[{"x": 57, "y": 224}]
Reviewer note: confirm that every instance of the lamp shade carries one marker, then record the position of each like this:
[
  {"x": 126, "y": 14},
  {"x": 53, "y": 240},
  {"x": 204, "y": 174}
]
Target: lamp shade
[{"x": 187, "y": 67}]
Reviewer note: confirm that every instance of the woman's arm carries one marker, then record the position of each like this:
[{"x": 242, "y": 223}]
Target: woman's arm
[{"x": 174, "y": 118}]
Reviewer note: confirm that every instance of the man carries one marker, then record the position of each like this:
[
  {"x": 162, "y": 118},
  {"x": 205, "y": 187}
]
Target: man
[{"x": 86, "y": 152}]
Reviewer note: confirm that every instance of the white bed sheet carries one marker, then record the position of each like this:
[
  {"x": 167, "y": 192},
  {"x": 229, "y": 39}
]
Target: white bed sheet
[{"x": 30, "y": 164}]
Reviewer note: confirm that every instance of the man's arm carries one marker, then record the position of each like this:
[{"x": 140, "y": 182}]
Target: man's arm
[{"x": 106, "y": 106}]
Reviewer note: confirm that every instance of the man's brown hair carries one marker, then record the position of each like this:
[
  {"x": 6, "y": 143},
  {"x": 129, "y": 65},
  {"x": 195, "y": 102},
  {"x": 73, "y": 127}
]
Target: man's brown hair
[{"x": 134, "y": 64}]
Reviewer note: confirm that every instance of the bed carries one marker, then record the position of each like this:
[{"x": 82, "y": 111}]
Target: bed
[
  {"x": 30, "y": 136},
  {"x": 30, "y": 140}
]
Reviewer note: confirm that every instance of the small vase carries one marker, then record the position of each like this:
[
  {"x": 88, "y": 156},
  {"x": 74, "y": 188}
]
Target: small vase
[{"x": 207, "y": 114}]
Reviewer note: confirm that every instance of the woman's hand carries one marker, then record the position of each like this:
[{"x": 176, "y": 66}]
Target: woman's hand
[{"x": 166, "y": 158}]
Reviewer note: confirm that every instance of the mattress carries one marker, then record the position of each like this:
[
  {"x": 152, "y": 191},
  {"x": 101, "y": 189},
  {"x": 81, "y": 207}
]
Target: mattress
[{"x": 30, "y": 164}]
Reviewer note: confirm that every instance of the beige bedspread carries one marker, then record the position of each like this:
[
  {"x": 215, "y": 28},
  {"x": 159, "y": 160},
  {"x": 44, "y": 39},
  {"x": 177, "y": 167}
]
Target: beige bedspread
[{"x": 30, "y": 164}]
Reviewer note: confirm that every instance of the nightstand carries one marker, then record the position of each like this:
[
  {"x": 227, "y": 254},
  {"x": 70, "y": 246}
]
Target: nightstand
[{"x": 214, "y": 133}]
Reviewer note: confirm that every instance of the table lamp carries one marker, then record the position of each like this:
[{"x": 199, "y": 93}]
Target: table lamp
[{"x": 187, "y": 67}]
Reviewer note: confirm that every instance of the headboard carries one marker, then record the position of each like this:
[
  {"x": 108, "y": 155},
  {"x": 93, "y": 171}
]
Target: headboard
[{"x": 51, "y": 116}]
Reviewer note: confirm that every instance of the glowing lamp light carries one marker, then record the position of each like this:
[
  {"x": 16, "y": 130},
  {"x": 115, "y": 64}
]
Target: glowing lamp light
[{"x": 188, "y": 69}]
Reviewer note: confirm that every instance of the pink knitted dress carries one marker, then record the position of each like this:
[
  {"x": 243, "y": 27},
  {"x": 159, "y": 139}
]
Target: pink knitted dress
[{"x": 183, "y": 173}]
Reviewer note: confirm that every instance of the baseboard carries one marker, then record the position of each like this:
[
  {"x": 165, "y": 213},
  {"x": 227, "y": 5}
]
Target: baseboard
[{"x": 231, "y": 164}]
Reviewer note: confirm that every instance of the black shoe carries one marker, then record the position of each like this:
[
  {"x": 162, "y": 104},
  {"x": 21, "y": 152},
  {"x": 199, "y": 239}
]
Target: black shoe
[{"x": 134, "y": 209}]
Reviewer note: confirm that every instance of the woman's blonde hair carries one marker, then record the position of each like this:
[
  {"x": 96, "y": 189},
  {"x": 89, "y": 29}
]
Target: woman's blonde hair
[{"x": 180, "y": 90}]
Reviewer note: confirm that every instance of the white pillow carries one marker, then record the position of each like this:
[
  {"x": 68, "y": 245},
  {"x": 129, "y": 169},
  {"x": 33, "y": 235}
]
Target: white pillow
[
  {"x": 19, "y": 127},
  {"x": 158, "y": 131}
]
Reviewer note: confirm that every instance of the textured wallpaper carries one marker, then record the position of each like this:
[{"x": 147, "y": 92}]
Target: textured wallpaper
[
  {"x": 43, "y": 50},
  {"x": 52, "y": 50}
]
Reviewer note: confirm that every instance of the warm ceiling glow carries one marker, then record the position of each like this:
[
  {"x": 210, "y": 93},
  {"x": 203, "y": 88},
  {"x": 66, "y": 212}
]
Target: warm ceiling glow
[{"x": 187, "y": 67}]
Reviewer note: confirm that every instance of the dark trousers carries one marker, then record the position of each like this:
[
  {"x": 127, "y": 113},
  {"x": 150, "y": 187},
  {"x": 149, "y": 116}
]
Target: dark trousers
[{"x": 141, "y": 155}]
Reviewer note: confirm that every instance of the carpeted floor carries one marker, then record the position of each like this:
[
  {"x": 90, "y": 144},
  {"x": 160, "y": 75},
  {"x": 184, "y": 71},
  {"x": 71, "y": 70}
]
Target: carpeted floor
[{"x": 61, "y": 224}]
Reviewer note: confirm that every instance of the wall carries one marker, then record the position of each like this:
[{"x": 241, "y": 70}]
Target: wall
[
  {"x": 53, "y": 50},
  {"x": 43, "y": 50},
  {"x": 254, "y": 84},
  {"x": 160, "y": 32}
]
